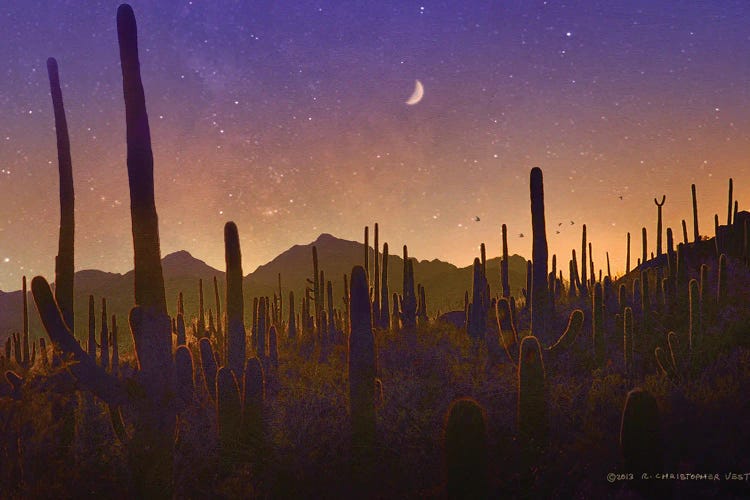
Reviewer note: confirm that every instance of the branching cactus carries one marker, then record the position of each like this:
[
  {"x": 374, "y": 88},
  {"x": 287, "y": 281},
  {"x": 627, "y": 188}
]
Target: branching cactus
[
  {"x": 466, "y": 455},
  {"x": 659, "y": 206},
  {"x": 532, "y": 402},
  {"x": 362, "y": 371}
]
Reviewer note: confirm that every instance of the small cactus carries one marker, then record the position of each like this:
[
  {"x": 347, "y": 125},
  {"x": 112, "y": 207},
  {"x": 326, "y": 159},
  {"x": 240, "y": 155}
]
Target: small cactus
[
  {"x": 640, "y": 434},
  {"x": 466, "y": 455}
]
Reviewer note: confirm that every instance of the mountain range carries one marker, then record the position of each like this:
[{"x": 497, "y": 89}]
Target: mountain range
[{"x": 445, "y": 283}]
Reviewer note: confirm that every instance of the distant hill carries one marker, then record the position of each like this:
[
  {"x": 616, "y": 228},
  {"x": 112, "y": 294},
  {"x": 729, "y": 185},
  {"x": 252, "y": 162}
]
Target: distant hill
[{"x": 445, "y": 283}]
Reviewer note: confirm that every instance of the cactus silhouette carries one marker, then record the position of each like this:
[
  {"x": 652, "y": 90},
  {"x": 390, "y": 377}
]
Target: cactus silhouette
[
  {"x": 539, "y": 290},
  {"x": 385, "y": 318},
  {"x": 466, "y": 455},
  {"x": 64, "y": 262},
  {"x": 362, "y": 372},
  {"x": 640, "y": 434},
  {"x": 236, "y": 335}
]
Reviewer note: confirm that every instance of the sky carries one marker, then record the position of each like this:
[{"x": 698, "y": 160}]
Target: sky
[{"x": 289, "y": 118}]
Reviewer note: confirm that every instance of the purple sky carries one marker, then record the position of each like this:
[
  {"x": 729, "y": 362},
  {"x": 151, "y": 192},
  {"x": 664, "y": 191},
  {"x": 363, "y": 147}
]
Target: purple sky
[{"x": 289, "y": 118}]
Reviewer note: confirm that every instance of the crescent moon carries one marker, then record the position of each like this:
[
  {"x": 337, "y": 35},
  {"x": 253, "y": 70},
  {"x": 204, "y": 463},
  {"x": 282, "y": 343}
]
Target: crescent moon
[{"x": 417, "y": 95}]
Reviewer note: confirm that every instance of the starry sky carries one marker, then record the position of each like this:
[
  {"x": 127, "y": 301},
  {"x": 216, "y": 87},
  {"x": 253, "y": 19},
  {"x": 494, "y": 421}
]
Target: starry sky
[{"x": 289, "y": 117}]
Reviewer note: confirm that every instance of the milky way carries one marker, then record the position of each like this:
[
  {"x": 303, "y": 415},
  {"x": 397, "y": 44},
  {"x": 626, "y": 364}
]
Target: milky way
[{"x": 290, "y": 119}]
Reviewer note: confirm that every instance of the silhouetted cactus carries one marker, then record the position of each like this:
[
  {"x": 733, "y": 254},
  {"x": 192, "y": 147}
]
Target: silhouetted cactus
[
  {"x": 466, "y": 455},
  {"x": 584, "y": 270},
  {"x": 532, "y": 403},
  {"x": 696, "y": 234},
  {"x": 658, "y": 224},
  {"x": 569, "y": 335},
  {"x": 504, "y": 274},
  {"x": 644, "y": 258},
  {"x": 104, "y": 337},
  {"x": 627, "y": 258},
  {"x": 27, "y": 362},
  {"x": 477, "y": 318},
  {"x": 539, "y": 291},
  {"x": 64, "y": 262},
  {"x": 115, "y": 348},
  {"x": 16, "y": 382},
  {"x": 236, "y": 335},
  {"x": 640, "y": 434},
  {"x": 385, "y": 318},
  {"x": 376, "y": 276},
  {"x": 362, "y": 371},
  {"x": 91, "y": 345},
  {"x": 408, "y": 306}
]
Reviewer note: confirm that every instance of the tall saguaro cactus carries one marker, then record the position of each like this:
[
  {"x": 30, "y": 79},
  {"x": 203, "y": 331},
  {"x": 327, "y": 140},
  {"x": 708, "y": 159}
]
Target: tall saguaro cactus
[
  {"x": 696, "y": 235},
  {"x": 149, "y": 280},
  {"x": 539, "y": 289},
  {"x": 385, "y": 317},
  {"x": 235, "y": 304},
  {"x": 504, "y": 276},
  {"x": 362, "y": 370},
  {"x": 64, "y": 261}
]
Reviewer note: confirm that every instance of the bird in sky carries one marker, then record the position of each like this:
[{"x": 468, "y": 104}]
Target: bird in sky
[
  {"x": 520, "y": 235},
  {"x": 476, "y": 218}
]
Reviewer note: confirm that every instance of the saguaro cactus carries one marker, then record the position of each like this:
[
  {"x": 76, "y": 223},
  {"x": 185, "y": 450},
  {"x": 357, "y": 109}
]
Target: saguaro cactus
[
  {"x": 236, "y": 335},
  {"x": 466, "y": 456},
  {"x": 696, "y": 234},
  {"x": 640, "y": 436},
  {"x": 104, "y": 337},
  {"x": 658, "y": 224},
  {"x": 64, "y": 261},
  {"x": 539, "y": 290},
  {"x": 504, "y": 275},
  {"x": 385, "y": 318},
  {"x": 362, "y": 369},
  {"x": 254, "y": 393},
  {"x": 409, "y": 301}
]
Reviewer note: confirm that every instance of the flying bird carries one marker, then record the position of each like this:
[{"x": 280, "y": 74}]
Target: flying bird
[
  {"x": 620, "y": 196},
  {"x": 571, "y": 223},
  {"x": 559, "y": 224},
  {"x": 557, "y": 232},
  {"x": 476, "y": 218},
  {"x": 520, "y": 235}
]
